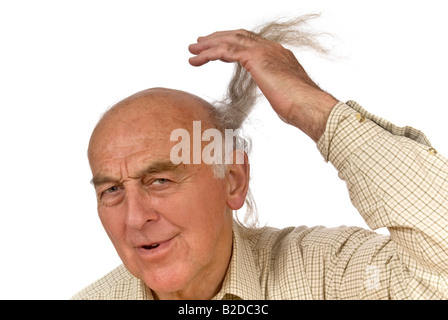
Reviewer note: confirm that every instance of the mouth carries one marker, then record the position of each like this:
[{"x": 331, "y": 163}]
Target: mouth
[
  {"x": 150, "y": 247},
  {"x": 155, "y": 249}
]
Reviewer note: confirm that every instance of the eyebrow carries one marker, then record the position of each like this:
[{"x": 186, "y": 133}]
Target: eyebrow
[{"x": 154, "y": 167}]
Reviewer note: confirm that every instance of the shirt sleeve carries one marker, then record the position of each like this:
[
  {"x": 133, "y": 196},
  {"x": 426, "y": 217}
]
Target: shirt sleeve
[{"x": 396, "y": 180}]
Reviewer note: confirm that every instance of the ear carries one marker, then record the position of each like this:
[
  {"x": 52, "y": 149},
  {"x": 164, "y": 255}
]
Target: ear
[{"x": 237, "y": 180}]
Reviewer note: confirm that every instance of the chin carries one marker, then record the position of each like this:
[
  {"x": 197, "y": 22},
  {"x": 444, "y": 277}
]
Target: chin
[{"x": 166, "y": 281}]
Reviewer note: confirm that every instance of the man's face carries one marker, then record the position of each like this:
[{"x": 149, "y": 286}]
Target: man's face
[{"x": 169, "y": 224}]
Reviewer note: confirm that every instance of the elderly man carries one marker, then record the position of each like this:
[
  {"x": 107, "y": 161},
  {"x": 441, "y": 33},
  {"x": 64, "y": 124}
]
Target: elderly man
[{"x": 172, "y": 223}]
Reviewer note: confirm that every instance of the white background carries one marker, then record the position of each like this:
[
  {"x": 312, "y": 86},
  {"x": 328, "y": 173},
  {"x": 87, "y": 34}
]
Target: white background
[{"x": 62, "y": 63}]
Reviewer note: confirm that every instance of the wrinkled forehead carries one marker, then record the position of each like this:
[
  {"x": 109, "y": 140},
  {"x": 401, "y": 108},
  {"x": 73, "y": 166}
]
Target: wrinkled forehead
[{"x": 146, "y": 120}]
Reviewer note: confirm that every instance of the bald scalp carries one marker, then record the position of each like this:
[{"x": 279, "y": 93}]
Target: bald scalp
[
  {"x": 166, "y": 106},
  {"x": 155, "y": 99}
]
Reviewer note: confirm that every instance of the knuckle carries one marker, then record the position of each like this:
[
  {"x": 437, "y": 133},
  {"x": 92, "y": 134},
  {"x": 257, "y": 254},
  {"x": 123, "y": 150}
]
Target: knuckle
[
  {"x": 222, "y": 49},
  {"x": 228, "y": 50},
  {"x": 242, "y": 32},
  {"x": 244, "y": 35}
]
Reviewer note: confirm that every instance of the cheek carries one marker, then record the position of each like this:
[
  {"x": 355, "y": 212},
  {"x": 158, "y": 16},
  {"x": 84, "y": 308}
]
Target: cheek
[
  {"x": 114, "y": 227},
  {"x": 198, "y": 206},
  {"x": 208, "y": 202}
]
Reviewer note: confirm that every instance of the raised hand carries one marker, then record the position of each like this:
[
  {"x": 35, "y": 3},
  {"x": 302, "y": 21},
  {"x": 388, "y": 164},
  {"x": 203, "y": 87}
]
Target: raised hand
[{"x": 292, "y": 94}]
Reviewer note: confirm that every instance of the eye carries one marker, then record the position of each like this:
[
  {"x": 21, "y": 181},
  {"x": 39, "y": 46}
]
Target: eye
[
  {"x": 155, "y": 180},
  {"x": 160, "y": 182},
  {"x": 111, "y": 196},
  {"x": 110, "y": 191}
]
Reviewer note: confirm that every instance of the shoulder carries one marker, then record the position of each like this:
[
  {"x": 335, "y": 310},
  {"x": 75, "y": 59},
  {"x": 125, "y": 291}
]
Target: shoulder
[
  {"x": 290, "y": 241},
  {"x": 119, "y": 284}
]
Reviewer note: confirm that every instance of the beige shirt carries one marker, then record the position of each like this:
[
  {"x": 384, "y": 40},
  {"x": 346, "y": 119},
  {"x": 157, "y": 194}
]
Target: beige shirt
[{"x": 395, "y": 180}]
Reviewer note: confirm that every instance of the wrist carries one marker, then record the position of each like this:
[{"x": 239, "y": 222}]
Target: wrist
[{"x": 311, "y": 111}]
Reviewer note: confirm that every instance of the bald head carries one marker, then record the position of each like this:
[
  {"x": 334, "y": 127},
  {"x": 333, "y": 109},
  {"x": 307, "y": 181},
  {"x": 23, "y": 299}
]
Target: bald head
[
  {"x": 157, "y": 100},
  {"x": 148, "y": 114}
]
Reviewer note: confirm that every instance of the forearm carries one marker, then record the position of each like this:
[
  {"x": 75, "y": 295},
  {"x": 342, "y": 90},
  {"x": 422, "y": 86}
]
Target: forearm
[{"x": 310, "y": 112}]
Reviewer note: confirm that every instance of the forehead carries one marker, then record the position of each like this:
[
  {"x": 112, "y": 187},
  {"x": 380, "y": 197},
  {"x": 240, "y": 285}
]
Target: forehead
[{"x": 139, "y": 128}]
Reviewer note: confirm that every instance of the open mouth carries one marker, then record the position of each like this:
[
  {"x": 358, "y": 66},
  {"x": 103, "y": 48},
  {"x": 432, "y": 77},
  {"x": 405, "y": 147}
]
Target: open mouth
[
  {"x": 152, "y": 246},
  {"x": 153, "y": 249}
]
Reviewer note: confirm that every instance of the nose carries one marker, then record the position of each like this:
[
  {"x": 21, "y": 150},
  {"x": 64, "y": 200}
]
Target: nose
[{"x": 139, "y": 209}]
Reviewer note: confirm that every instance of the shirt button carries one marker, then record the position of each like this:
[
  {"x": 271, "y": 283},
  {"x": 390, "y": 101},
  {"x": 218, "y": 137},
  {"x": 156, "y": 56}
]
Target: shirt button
[
  {"x": 432, "y": 151},
  {"x": 360, "y": 117}
]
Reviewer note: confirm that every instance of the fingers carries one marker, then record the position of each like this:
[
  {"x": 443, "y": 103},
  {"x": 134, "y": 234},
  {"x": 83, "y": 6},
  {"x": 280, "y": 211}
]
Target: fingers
[
  {"x": 226, "y": 46},
  {"x": 209, "y": 52}
]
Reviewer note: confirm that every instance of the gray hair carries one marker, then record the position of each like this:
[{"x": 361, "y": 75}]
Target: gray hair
[{"x": 242, "y": 95}]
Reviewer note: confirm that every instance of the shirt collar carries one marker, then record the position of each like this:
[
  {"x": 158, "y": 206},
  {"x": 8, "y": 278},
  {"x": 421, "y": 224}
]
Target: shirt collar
[{"x": 242, "y": 277}]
